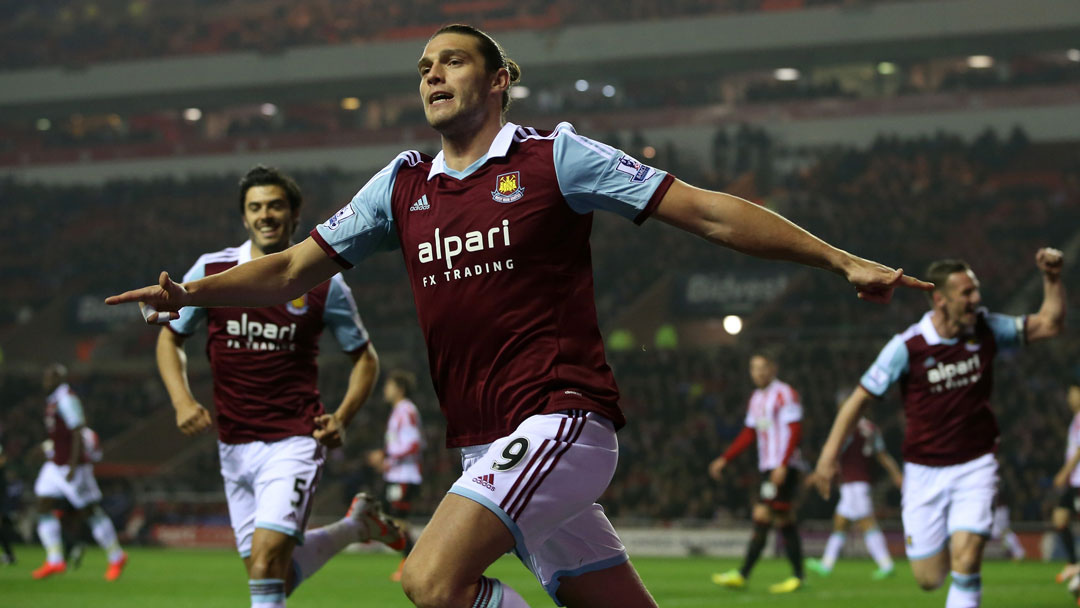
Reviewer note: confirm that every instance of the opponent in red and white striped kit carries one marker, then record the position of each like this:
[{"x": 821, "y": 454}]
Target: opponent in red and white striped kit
[
  {"x": 856, "y": 506},
  {"x": 944, "y": 365},
  {"x": 69, "y": 474},
  {"x": 400, "y": 459},
  {"x": 494, "y": 231},
  {"x": 1067, "y": 482},
  {"x": 774, "y": 420}
]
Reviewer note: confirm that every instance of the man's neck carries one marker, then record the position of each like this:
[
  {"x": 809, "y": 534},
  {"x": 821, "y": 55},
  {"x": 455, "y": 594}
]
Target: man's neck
[
  {"x": 462, "y": 150},
  {"x": 944, "y": 327}
]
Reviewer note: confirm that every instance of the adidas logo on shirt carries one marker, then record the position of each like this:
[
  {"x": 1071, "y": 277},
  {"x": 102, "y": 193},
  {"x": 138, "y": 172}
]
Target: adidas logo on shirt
[
  {"x": 488, "y": 481},
  {"x": 421, "y": 204}
]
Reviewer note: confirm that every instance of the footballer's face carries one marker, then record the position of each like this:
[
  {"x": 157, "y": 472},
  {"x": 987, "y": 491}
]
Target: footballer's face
[
  {"x": 455, "y": 86},
  {"x": 762, "y": 371},
  {"x": 1074, "y": 398},
  {"x": 268, "y": 218},
  {"x": 51, "y": 379},
  {"x": 390, "y": 392},
  {"x": 960, "y": 298}
]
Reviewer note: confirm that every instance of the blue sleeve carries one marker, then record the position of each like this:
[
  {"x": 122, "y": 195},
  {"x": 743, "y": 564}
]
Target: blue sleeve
[
  {"x": 342, "y": 317},
  {"x": 366, "y": 224},
  {"x": 890, "y": 364},
  {"x": 191, "y": 316},
  {"x": 1008, "y": 330},
  {"x": 594, "y": 176}
]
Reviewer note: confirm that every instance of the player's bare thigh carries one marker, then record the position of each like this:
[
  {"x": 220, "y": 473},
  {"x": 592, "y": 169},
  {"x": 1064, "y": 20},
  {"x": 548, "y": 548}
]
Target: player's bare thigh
[
  {"x": 762, "y": 514},
  {"x": 615, "y": 587},
  {"x": 462, "y": 539},
  {"x": 866, "y": 524}
]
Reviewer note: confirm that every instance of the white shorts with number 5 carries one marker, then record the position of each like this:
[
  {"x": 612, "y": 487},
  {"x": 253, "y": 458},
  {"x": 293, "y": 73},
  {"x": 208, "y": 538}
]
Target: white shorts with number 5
[
  {"x": 543, "y": 481},
  {"x": 270, "y": 486}
]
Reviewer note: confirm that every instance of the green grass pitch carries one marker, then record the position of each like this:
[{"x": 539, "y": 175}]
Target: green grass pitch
[{"x": 161, "y": 578}]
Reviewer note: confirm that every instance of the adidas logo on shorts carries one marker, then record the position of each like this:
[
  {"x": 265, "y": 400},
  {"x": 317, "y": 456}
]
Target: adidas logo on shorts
[
  {"x": 421, "y": 204},
  {"x": 488, "y": 481}
]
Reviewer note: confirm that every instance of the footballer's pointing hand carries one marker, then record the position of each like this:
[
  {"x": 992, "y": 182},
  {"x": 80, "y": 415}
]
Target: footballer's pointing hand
[
  {"x": 158, "y": 303},
  {"x": 192, "y": 419},
  {"x": 329, "y": 431},
  {"x": 875, "y": 282},
  {"x": 1050, "y": 261}
]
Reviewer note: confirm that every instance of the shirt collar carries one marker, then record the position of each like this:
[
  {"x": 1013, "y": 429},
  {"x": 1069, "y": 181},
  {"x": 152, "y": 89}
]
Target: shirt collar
[
  {"x": 245, "y": 253},
  {"x": 929, "y": 332},
  {"x": 499, "y": 148}
]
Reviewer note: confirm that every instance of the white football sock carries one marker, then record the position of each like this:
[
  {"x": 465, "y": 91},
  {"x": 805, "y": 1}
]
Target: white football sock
[
  {"x": 267, "y": 592},
  {"x": 879, "y": 550},
  {"x": 105, "y": 534},
  {"x": 48, "y": 529},
  {"x": 965, "y": 591},
  {"x": 320, "y": 545},
  {"x": 832, "y": 549},
  {"x": 1012, "y": 543},
  {"x": 497, "y": 594}
]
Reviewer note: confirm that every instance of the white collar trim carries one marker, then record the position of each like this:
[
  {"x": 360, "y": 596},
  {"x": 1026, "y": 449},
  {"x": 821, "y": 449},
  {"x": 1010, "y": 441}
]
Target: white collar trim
[
  {"x": 245, "y": 252},
  {"x": 926, "y": 326},
  {"x": 499, "y": 148}
]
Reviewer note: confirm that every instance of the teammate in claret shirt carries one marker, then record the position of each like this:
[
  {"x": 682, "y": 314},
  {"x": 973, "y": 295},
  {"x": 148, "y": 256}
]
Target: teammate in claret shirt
[
  {"x": 68, "y": 473},
  {"x": 774, "y": 419},
  {"x": 272, "y": 430},
  {"x": 944, "y": 365},
  {"x": 1067, "y": 483},
  {"x": 855, "y": 505},
  {"x": 495, "y": 234}
]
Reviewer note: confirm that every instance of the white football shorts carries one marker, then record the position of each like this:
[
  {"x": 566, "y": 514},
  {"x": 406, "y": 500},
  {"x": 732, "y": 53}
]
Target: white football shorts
[
  {"x": 855, "y": 503},
  {"x": 270, "y": 486},
  {"x": 543, "y": 481},
  {"x": 938, "y": 501},
  {"x": 81, "y": 491}
]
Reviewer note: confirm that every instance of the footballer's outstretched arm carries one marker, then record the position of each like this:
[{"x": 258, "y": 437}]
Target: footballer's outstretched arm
[
  {"x": 266, "y": 281},
  {"x": 845, "y": 420},
  {"x": 743, "y": 226}
]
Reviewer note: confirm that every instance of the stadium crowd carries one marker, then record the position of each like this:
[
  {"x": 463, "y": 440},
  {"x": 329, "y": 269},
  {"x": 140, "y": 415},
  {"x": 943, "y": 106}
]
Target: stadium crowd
[
  {"x": 82, "y": 32},
  {"x": 271, "y": 123},
  {"x": 993, "y": 201}
]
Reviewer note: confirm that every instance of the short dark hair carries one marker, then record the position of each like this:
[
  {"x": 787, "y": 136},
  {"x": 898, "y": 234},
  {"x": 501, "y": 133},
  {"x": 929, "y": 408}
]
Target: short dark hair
[
  {"x": 405, "y": 380},
  {"x": 260, "y": 175},
  {"x": 493, "y": 53},
  {"x": 938, "y": 272},
  {"x": 769, "y": 353}
]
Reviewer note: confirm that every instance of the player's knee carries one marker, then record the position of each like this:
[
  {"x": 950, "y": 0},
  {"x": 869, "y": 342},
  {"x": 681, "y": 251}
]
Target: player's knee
[
  {"x": 930, "y": 584},
  {"x": 267, "y": 565},
  {"x": 425, "y": 588}
]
